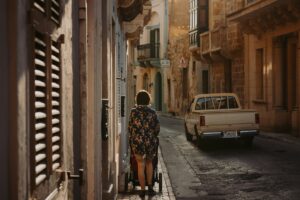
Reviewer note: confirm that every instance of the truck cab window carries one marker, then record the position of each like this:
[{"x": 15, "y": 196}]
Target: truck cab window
[
  {"x": 200, "y": 104},
  {"x": 232, "y": 102}
]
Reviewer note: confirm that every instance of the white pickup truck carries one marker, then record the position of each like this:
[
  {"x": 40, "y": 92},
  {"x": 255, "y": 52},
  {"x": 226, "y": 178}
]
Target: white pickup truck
[{"x": 220, "y": 116}]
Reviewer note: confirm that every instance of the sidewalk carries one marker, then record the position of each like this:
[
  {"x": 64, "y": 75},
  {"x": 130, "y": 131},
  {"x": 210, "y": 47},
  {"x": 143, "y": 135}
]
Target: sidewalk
[{"x": 167, "y": 192}]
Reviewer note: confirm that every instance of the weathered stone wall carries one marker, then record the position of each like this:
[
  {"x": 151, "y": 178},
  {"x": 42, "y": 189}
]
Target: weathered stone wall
[
  {"x": 218, "y": 12},
  {"x": 217, "y": 77},
  {"x": 238, "y": 78},
  {"x": 178, "y": 53}
]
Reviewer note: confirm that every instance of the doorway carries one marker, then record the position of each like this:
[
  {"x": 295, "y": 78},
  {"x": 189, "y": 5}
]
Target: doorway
[{"x": 158, "y": 92}]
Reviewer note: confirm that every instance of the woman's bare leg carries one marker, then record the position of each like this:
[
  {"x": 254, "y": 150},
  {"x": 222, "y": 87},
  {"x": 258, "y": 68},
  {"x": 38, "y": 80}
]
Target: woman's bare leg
[
  {"x": 141, "y": 170},
  {"x": 149, "y": 171}
]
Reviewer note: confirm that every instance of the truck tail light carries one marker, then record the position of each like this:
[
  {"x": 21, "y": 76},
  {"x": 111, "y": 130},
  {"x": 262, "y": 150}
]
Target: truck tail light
[
  {"x": 202, "y": 120},
  {"x": 256, "y": 118}
]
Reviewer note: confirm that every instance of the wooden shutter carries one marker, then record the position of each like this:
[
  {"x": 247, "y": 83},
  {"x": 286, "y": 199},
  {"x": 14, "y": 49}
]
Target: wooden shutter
[
  {"x": 51, "y": 10},
  {"x": 40, "y": 5},
  {"x": 56, "y": 104},
  {"x": 46, "y": 104},
  {"x": 46, "y": 132},
  {"x": 203, "y": 15},
  {"x": 55, "y": 11},
  {"x": 39, "y": 95}
]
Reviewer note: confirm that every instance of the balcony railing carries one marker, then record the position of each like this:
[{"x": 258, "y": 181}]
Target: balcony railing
[
  {"x": 213, "y": 41},
  {"x": 148, "y": 51},
  {"x": 194, "y": 38},
  {"x": 205, "y": 42}
]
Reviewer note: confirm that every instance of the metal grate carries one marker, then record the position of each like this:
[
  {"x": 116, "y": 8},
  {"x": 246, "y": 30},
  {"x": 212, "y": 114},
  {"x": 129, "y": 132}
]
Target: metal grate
[{"x": 40, "y": 108}]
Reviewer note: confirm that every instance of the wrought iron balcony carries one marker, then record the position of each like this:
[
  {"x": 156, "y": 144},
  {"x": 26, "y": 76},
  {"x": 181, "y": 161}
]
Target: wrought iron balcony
[
  {"x": 147, "y": 52},
  {"x": 194, "y": 39}
]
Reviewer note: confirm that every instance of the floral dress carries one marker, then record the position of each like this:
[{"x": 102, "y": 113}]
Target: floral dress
[{"x": 143, "y": 129}]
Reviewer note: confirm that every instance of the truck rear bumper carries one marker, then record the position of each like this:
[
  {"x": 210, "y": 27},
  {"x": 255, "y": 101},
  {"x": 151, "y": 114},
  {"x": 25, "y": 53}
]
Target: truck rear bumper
[
  {"x": 248, "y": 133},
  {"x": 221, "y": 134}
]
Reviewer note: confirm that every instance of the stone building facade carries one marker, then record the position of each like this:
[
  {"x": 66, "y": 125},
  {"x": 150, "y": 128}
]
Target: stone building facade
[
  {"x": 221, "y": 47},
  {"x": 271, "y": 60},
  {"x": 63, "y": 96},
  {"x": 180, "y": 78}
]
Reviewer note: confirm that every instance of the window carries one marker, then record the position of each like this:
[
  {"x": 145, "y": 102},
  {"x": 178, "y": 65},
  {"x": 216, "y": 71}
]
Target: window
[
  {"x": 46, "y": 135},
  {"x": 203, "y": 15},
  {"x": 285, "y": 76},
  {"x": 45, "y": 97},
  {"x": 50, "y": 9},
  {"x": 215, "y": 103},
  {"x": 205, "y": 81},
  {"x": 232, "y": 104},
  {"x": 259, "y": 74},
  {"x": 154, "y": 43},
  {"x": 193, "y": 14},
  {"x": 185, "y": 83},
  {"x": 200, "y": 104}
]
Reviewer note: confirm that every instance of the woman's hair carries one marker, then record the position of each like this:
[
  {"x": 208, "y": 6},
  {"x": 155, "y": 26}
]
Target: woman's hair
[{"x": 143, "y": 98}]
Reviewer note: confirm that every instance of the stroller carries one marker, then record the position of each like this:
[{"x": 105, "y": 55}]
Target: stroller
[{"x": 132, "y": 175}]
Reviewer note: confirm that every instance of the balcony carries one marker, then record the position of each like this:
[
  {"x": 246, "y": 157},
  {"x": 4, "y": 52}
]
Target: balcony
[
  {"x": 148, "y": 54},
  {"x": 260, "y": 16},
  {"x": 213, "y": 44}
]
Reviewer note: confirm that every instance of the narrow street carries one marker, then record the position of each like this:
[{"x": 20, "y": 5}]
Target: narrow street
[{"x": 269, "y": 170}]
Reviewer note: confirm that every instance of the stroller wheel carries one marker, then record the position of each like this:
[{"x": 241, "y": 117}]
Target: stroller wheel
[
  {"x": 126, "y": 182},
  {"x": 160, "y": 182}
]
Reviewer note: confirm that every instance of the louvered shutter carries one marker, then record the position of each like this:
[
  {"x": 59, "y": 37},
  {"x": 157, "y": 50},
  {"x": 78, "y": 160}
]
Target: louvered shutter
[
  {"x": 56, "y": 106},
  {"x": 55, "y": 11},
  {"x": 40, "y": 5},
  {"x": 40, "y": 109},
  {"x": 50, "y": 8}
]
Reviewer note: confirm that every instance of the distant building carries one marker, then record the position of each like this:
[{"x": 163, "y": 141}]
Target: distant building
[{"x": 148, "y": 57}]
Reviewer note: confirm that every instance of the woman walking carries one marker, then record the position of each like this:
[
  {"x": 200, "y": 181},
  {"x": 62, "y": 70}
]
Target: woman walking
[{"x": 143, "y": 130}]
